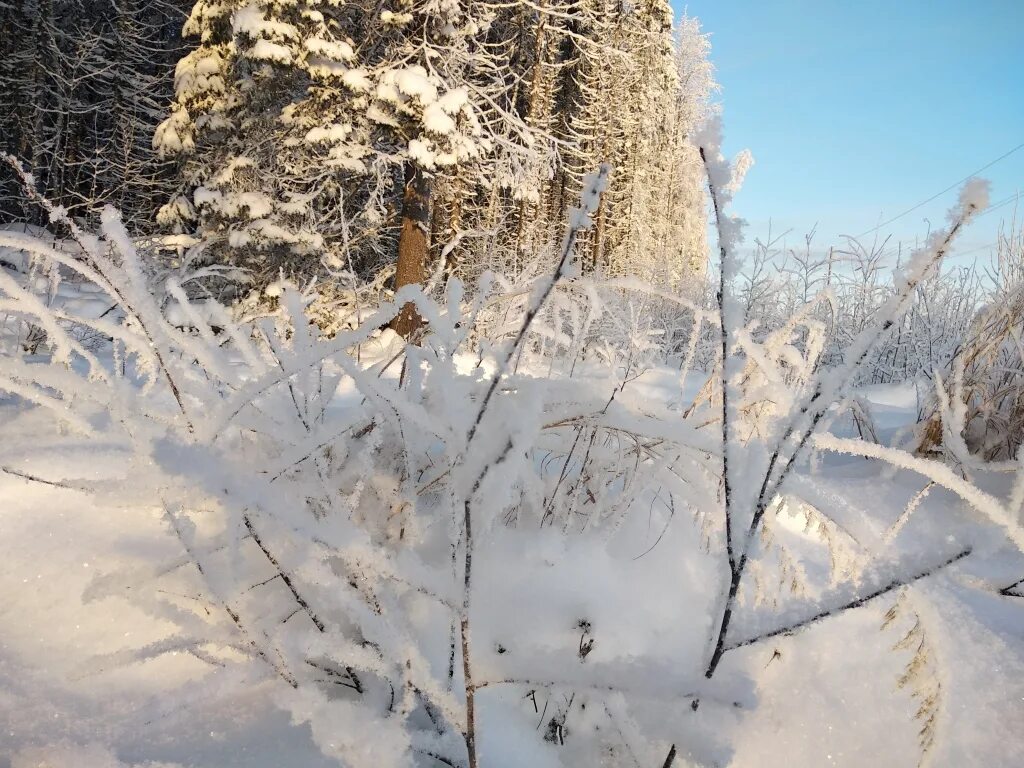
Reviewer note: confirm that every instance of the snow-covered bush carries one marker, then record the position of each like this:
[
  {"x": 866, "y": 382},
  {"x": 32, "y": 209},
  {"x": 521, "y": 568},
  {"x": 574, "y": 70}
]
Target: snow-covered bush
[
  {"x": 433, "y": 554},
  {"x": 357, "y": 530},
  {"x": 977, "y": 409},
  {"x": 956, "y": 342},
  {"x": 774, "y": 283},
  {"x": 61, "y": 290}
]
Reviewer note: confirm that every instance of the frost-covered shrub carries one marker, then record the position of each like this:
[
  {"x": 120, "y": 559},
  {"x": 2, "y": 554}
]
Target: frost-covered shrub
[
  {"x": 433, "y": 553},
  {"x": 850, "y": 286},
  {"x": 363, "y": 521},
  {"x": 977, "y": 409}
]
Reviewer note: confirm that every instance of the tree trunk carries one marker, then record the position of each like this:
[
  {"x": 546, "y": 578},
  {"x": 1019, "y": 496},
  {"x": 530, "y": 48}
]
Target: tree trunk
[
  {"x": 533, "y": 116},
  {"x": 412, "y": 245},
  {"x": 597, "y": 255}
]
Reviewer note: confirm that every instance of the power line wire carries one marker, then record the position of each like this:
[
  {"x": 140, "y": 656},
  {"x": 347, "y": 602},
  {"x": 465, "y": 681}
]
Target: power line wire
[
  {"x": 940, "y": 194},
  {"x": 975, "y": 250},
  {"x": 895, "y": 249}
]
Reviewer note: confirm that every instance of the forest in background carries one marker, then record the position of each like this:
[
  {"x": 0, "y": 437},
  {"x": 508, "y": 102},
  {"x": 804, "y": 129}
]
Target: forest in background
[{"x": 448, "y": 137}]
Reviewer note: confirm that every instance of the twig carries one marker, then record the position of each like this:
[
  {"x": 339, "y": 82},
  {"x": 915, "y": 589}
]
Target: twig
[
  {"x": 855, "y": 603},
  {"x": 34, "y": 479},
  {"x": 723, "y": 256},
  {"x": 598, "y": 184},
  {"x": 439, "y": 758},
  {"x": 117, "y": 292},
  {"x": 1008, "y": 591},
  {"x": 284, "y": 576},
  {"x": 579, "y": 221},
  {"x": 804, "y": 423},
  {"x": 236, "y": 619},
  {"x": 303, "y": 603}
]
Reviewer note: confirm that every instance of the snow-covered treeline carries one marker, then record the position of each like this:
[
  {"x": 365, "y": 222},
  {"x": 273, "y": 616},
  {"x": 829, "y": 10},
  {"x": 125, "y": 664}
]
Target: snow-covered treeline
[
  {"x": 83, "y": 86},
  {"x": 364, "y": 141},
  {"x": 318, "y": 135},
  {"x": 848, "y": 286}
]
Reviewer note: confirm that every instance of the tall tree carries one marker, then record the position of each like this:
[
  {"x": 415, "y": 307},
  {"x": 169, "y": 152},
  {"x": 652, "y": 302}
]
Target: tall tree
[
  {"x": 443, "y": 87},
  {"x": 454, "y": 128},
  {"x": 270, "y": 127}
]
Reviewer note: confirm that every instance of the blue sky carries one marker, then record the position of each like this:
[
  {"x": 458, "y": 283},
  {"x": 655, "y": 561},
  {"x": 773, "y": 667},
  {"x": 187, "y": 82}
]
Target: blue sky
[{"x": 856, "y": 110}]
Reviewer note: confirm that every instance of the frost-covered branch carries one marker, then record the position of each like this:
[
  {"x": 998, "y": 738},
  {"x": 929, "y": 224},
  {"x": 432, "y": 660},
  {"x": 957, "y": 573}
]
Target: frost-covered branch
[{"x": 857, "y": 602}]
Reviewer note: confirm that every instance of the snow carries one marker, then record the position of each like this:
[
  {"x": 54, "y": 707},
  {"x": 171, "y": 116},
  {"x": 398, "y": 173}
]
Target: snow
[
  {"x": 57, "y": 541},
  {"x": 231, "y": 540},
  {"x": 266, "y": 50},
  {"x": 421, "y": 150},
  {"x": 414, "y": 81},
  {"x": 251, "y": 20},
  {"x": 600, "y": 510},
  {"x": 936, "y": 472},
  {"x": 741, "y": 166},
  {"x": 437, "y": 120},
  {"x": 206, "y": 196},
  {"x": 18, "y": 259},
  {"x": 199, "y": 72},
  {"x": 77, "y": 756},
  {"x": 357, "y": 80},
  {"x": 328, "y": 134},
  {"x": 396, "y": 19},
  {"x": 339, "y": 50},
  {"x": 973, "y": 199}
]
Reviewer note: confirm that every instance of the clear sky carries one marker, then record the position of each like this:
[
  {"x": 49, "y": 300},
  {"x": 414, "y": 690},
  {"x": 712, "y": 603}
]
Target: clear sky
[{"x": 856, "y": 110}]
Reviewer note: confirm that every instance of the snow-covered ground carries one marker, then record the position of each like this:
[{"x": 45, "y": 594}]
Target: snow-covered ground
[{"x": 70, "y": 699}]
